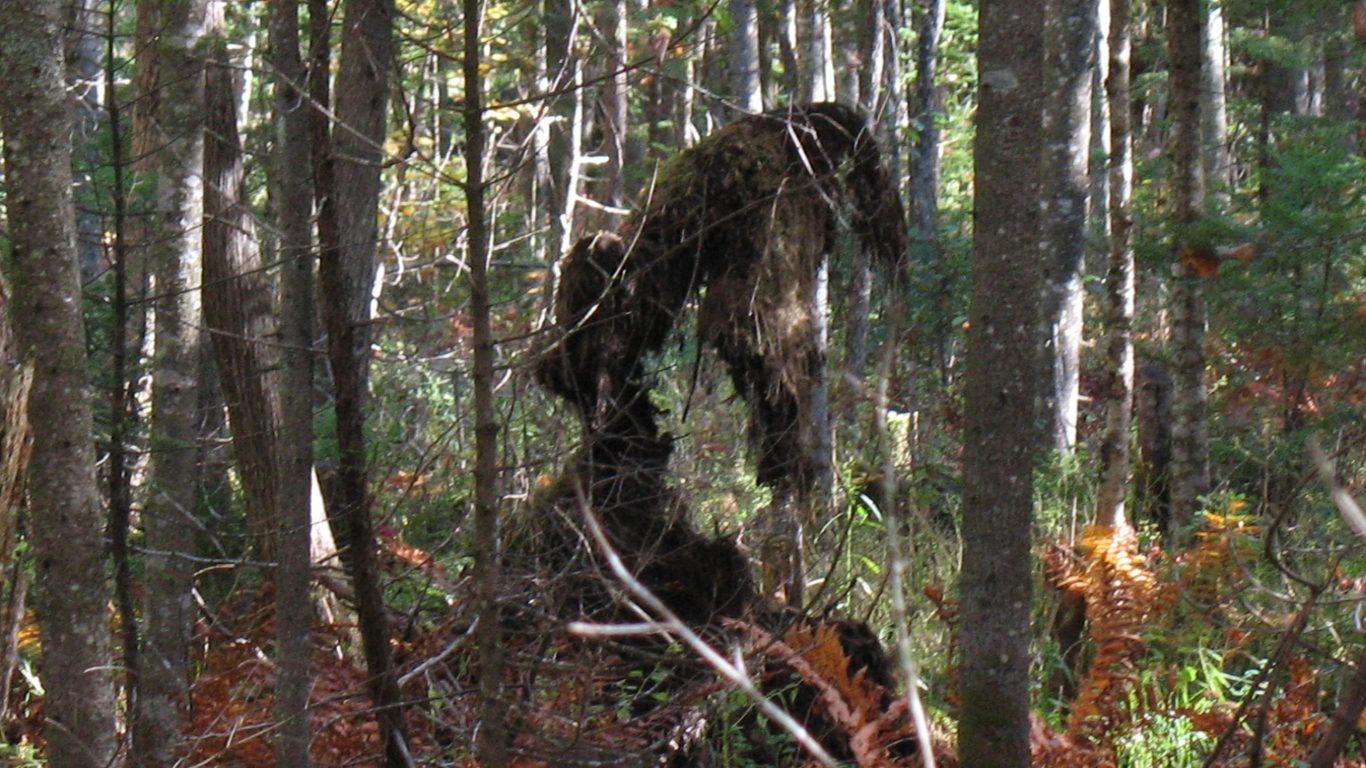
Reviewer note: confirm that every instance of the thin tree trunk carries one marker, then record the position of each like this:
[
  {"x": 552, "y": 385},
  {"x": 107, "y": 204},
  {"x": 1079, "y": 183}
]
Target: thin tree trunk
[
  {"x": 1190, "y": 430},
  {"x": 16, "y": 442},
  {"x": 122, "y": 402},
  {"x": 873, "y": 32},
  {"x": 67, "y": 526},
  {"x": 819, "y": 75},
  {"x": 176, "y": 241},
  {"x": 924, "y": 195},
  {"x": 1069, "y": 32},
  {"x": 346, "y": 276},
  {"x": 1000, "y": 436},
  {"x": 492, "y": 745},
  {"x": 1115, "y": 454},
  {"x": 744, "y": 59},
  {"x": 85, "y": 68},
  {"x": 298, "y": 307},
  {"x": 614, "y": 110},
  {"x": 1215, "y": 158},
  {"x": 788, "y": 50}
]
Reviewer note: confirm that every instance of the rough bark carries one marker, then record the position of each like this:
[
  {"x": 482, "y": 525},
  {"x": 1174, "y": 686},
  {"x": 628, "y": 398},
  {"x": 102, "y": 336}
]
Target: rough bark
[
  {"x": 1069, "y": 39},
  {"x": 175, "y": 241},
  {"x": 297, "y": 305},
  {"x": 16, "y": 443},
  {"x": 1190, "y": 430},
  {"x": 1115, "y": 455},
  {"x": 346, "y": 274},
  {"x": 239, "y": 309},
  {"x": 1000, "y": 436},
  {"x": 73, "y": 600}
]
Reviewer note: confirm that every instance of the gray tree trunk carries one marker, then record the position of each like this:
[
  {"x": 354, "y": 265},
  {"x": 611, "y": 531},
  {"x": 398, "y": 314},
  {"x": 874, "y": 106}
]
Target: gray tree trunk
[
  {"x": 818, "y": 68},
  {"x": 1115, "y": 453},
  {"x": 175, "y": 242},
  {"x": 788, "y": 51},
  {"x": 346, "y": 277},
  {"x": 1069, "y": 39},
  {"x": 1189, "y": 470},
  {"x": 68, "y": 523},
  {"x": 1000, "y": 436},
  {"x": 925, "y": 176},
  {"x": 744, "y": 62}
]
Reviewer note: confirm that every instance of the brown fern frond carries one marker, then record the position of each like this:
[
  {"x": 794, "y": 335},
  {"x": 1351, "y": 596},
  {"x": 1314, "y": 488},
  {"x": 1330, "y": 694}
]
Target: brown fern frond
[{"x": 1120, "y": 593}]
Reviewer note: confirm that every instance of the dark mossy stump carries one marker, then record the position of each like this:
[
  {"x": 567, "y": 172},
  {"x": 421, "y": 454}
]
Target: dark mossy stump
[{"x": 744, "y": 222}]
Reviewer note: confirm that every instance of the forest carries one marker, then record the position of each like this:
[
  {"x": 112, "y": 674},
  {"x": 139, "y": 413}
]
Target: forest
[{"x": 583, "y": 383}]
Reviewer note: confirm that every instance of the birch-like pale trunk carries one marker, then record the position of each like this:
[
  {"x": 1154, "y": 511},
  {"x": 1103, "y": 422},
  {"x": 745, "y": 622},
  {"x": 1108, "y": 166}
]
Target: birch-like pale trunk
[
  {"x": 1115, "y": 451},
  {"x": 1069, "y": 34}
]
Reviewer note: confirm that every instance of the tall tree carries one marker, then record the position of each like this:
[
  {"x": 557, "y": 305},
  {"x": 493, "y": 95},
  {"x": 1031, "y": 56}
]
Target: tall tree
[
  {"x": 1115, "y": 454},
  {"x": 349, "y": 235},
  {"x": 924, "y": 108},
  {"x": 1189, "y": 470},
  {"x": 1216, "y": 163},
  {"x": 999, "y": 432},
  {"x": 745, "y": 55},
  {"x": 492, "y": 745},
  {"x": 73, "y": 615},
  {"x": 296, "y": 379},
  {"x": 175, "y": 240},
  {"x": 1069, "y": 39}
]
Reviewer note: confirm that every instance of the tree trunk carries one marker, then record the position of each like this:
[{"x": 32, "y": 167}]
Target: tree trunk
[
  {"x": 294, "y": 493},
  {"x": 925, "y": 177},
  {"x": 873, "y": 33},
  {"x": 1190, "y": 430},
  {"x": 346, "y": 276},
  {"x": 614, "y": 112},
  {"x": 788, "y": 52},
  {"x": 239, "y": 309},
  {"x": 744, "y": 60},
  {"x": 1115, "y": 462},
  {"x": 175, "y": 242},
  {"x": 819, "y": 70},
  {"x": 1216, "y": 163},
  {"x": 1000, "y": 436},
  {"x": 492, "y": 744},
  {"x": 1069, "y": 32},
  {"x": 84, "y": 75},
  {"x": 68, "y": 525}
]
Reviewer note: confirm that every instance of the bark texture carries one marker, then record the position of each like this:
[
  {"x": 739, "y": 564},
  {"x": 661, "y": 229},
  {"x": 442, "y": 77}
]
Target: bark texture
[
  {"x": 175, "y": 242},
  {"x": 1190, "y": 431},
  {"x": 1000, "y": 436},
  {"x": 1115, "y": 452},
  {"x": 46, "y": 313},
  {"x": 346, "y": 277},
  {"x": 297, "y": 308},
  {"x": 1069, "y": 39}
]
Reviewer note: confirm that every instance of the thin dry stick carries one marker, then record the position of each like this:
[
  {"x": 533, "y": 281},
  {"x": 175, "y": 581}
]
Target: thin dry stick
[{"x": 669, "y": 622}]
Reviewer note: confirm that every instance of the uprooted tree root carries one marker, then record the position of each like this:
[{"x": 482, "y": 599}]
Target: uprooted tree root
[{"x": 743, "y": 222}]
